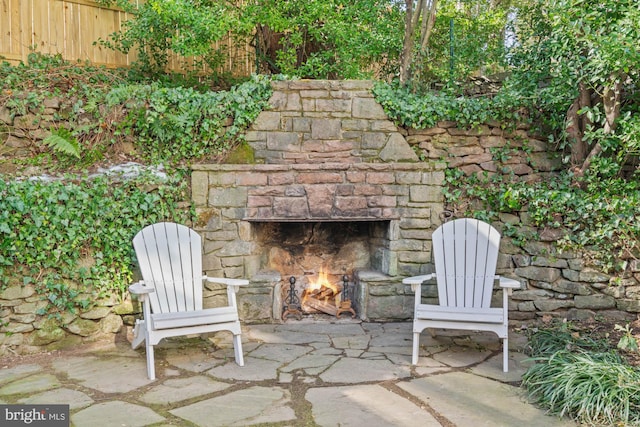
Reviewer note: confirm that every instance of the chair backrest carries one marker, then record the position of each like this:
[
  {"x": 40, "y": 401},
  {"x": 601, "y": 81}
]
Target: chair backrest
[
  {"x": 465, "y": 252},
  {"x": 170, "y": 259}
]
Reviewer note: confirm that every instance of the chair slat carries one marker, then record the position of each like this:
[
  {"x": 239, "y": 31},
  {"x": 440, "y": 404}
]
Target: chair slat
[
  {"x": 149, "y": 261},
  {"x": 468, "y": 263},
  {"x": 166, "y": 255},
  {"x": 191, "y": 252}
]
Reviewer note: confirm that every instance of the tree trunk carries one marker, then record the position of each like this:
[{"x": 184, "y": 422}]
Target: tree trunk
[
  {"x": 611, "y": 98},
  {"x": 574, "y": 132},
  {"x": 428, "y": 21},
  {"x": 407, "y": 45},
  {"x": 577, "y": 124},
  {"x": 427, "y": 10}
]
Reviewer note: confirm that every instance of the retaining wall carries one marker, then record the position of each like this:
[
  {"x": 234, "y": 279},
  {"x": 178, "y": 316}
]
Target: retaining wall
[{"x": 390, "y": 173}]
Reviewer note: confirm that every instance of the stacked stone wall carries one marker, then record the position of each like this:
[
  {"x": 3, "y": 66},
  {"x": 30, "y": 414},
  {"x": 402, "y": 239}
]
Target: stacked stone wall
[
  {"x": 23, "y": 330},
  {"x": 314, "y": 121},
  {"x": 488, "y": 148},
  {"x": 327, "y": 152}
]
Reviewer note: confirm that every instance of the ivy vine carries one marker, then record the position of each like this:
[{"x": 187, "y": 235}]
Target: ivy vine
[{"x": 72, "y": 238}]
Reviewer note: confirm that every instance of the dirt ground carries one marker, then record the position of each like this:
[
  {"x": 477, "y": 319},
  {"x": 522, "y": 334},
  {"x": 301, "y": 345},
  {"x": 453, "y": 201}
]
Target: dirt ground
[{"x": 605, "y": 329}]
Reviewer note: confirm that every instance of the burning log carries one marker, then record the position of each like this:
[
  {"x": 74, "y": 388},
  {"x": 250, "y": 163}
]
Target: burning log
[
  {"x": 322, "y": 300},
  {"x": 323, "y": 306}
]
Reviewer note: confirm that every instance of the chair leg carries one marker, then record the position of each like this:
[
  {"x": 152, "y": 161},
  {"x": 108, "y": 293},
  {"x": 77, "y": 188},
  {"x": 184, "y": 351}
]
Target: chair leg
[
  {"x": 151, "y": 369},
  {"x": 138, "y": 334},
  {"x": 237, "y": 348},
  {"x": 505, "y": 354},
  {"x": 416, "y": 348}
]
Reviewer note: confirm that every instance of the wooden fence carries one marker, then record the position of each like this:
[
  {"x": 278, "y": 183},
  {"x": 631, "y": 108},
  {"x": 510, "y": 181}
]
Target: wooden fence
[{"x": 70, "y": 28}]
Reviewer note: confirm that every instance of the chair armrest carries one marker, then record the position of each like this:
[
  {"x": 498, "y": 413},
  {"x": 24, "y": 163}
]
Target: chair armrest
[
  {"x": 139, "y": 288},
  {"x": 508, "y": 283},
  {"x": 416, "y": 281},
  {"x": 228, "y": 282}
]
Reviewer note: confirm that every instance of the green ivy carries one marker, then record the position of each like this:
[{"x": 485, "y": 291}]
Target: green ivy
[
  {"x": 165, "y": 121},
  {"x": 71, "y": 238},
  {"x": 178, "y": 123},
  {"x": 425, "y": 110},
  {"x": 600, "y": 218}
]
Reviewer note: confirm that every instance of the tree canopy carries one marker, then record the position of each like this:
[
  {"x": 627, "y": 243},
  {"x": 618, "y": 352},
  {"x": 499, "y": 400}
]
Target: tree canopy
[
  {"x": 580, "y": 62},
  {"x": 574, "y": 63}
]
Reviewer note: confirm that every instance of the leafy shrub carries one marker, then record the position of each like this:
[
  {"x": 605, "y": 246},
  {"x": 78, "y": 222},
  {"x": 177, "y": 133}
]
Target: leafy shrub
[
  {"x": 165, "y": 122},
  {"x": 178, "y": 123},
  {"x": 600, "y": 218},
  {"x": 425, "y": 110},
  {"x": 301, "y": 38},
  {"x": 72, "y": 238}
]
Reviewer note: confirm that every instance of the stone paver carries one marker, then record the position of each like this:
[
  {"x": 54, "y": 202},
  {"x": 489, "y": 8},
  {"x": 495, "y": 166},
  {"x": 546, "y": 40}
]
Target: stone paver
[
  {"x": 280, "y": 352},
  {"x": 8, "y": 374},
  {"x": 311, "y": 364},
  {"x": 179, "y": 389},
  {"x": 253, "y": 370},
  {"x": 115, "y": 413},
  {"x": 333, "y": 373},
  {"x": 459, "y": 357},
  {"x": 240, "y": 408},
  {"x": 350, "y": 370},
  {"x": 61, "y": 396},
  {"x": 470, "y": 400},
  {"x": 366, "y": 406},
  {"x": 33, "y": 383},
  {"x": 99, "y": 374}
]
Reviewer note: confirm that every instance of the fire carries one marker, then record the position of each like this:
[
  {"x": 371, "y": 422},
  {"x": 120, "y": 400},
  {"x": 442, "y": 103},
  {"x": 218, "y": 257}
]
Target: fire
[
  {"x": 321, "y": 281},
  {"x": 323, "y": 296}
]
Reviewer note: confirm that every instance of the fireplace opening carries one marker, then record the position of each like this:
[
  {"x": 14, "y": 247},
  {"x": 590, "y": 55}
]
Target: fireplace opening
[{"x": 320, "y": 259}]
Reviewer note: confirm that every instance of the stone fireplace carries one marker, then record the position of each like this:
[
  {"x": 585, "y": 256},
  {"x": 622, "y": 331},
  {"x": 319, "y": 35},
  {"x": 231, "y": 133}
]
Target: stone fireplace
[{"x": 337, "y": 190}]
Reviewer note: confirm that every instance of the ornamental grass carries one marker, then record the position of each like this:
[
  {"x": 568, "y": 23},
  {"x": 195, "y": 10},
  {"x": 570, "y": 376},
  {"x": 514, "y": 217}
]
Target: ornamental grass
[{"x": 581, "y": 379}]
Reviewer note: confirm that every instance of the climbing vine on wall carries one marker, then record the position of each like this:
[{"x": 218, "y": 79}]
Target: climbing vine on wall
[{"x": 71, "y": 238}]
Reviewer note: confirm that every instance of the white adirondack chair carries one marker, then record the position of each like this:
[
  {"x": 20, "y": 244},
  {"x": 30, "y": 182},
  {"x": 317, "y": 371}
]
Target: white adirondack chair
[
  {"x": 170, "y": 258},
  {"x": 465, "y": 252}
]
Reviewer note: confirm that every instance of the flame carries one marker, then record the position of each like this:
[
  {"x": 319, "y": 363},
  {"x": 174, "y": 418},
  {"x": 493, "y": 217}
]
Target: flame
[{"x": 321, "y": 281}]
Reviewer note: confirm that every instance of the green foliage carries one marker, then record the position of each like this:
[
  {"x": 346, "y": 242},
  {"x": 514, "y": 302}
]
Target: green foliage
[
  {"x": 187, "y": 27},
  {"x": 178, "y": 123},
  {"x": 164, "y": 121},
  {"x": 63, "y": 141},
  {"x": 562, "y": 44},
  {"x": 599, "y": 218},
  {"x": 467, "y": 39},
  {"x": 425, "y": 110},
  {"x": 325, "y": 39},
  {"x": 627, "y": 342},
  {"x": 544, "y": 342},
  {"x": 78, "y": 87},
  {"x": 585, "y": 382},
  {"x": 313, "y": 39},
  {"x": 72, "y": 238}
]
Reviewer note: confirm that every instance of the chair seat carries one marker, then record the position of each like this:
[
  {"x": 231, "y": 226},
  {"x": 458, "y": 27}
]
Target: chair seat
[
  {"x": 183, "y": 319},
  {"x": 457, "y": 314}
]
